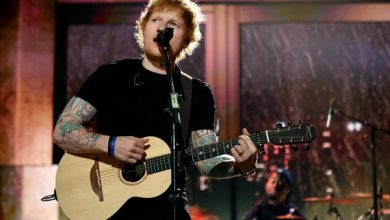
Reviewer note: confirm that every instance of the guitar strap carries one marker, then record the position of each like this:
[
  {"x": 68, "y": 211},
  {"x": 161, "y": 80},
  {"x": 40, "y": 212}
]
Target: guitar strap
[{"x": 185, "y": 106}]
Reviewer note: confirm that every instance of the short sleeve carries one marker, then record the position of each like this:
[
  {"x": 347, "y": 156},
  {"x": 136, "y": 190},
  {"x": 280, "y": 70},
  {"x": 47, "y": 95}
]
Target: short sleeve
[
  {"x": 202, "y": 107},
  {"x": 94, "y": 86}
]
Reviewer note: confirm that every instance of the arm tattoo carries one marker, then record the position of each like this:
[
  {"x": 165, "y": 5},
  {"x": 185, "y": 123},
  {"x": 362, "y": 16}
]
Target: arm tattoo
[
  {"x": 70, "y": 130},
  {"x": 67, "y": 128},
  {"x": 217, "y": 167},
  {"x": 77, "y": 136},
  {"x": 79, "y": 109},
  {"x": 202, "y": 138}
]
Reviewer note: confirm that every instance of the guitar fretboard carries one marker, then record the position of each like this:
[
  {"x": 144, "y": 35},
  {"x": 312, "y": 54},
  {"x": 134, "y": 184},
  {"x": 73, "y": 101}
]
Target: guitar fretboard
[
  {"x": 301, "y": 133},
  {"x": 192, "y": 155}
]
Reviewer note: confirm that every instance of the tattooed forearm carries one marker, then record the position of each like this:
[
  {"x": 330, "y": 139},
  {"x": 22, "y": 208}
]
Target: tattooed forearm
[
  {"x": 76, "y": 136},
  {"x": 218, "y": 167},
  {"x": 67, "y": 128}
]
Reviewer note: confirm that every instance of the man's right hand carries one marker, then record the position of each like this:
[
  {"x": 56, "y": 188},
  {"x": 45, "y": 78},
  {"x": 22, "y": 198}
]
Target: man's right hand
[{"x": 130, "y": 149}]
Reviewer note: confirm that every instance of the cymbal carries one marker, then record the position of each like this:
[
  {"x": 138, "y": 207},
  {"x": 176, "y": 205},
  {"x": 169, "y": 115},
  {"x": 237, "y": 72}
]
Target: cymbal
[
  {"x": 328, "y": 200},
  {"x": 385, "y": 211},
  {"x": 382, "y": 212},
  {"x": 288, "y": 216},
  {"x": 385, "y": 196}
]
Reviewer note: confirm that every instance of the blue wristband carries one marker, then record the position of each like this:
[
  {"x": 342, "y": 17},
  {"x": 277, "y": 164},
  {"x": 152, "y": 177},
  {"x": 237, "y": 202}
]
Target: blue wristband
[{"x": 111, "y": 145}]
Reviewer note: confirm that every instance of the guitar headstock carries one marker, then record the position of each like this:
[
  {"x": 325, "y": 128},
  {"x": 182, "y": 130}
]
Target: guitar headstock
[{"x": 291, "y": 134}]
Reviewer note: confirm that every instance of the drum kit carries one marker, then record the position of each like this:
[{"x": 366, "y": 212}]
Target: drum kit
[
  {"x": 377, "y": 198},
  {"x": 197, "y": 212},
  {"x": 350, "y": 200},
  {"x": 354, "y": 198}
]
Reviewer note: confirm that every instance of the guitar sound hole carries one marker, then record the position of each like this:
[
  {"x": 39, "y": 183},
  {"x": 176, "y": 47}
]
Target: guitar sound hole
[{"x": 133, "y": 172}]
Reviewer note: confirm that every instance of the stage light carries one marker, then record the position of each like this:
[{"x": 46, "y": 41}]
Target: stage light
[{"x": 354, "y": 126}]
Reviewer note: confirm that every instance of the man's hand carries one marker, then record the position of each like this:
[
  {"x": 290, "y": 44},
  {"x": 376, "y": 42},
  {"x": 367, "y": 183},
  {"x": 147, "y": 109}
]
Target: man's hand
[
  {"x": 245, "y": 153},
  {"x": 130, "y": 149}
]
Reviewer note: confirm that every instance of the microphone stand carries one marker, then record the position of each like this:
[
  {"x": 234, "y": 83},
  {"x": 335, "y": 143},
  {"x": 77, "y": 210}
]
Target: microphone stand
[
  {"x": 174, "y": 110},
  {"x": 374, "y": 130},
  {"x": 332, "y": 208}
]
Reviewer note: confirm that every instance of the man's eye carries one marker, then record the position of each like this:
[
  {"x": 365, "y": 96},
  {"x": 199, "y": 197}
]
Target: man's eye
[{"x": 173, "y": 24}]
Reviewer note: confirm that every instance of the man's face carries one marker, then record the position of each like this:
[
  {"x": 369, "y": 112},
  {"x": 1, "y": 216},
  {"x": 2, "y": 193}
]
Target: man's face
[
  {"x": 275, "y": 188},
  {"x": 157, "y": 22}
]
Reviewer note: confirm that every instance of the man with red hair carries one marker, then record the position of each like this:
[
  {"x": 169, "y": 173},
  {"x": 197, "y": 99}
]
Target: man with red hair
[{"x": 129, "y": 99}]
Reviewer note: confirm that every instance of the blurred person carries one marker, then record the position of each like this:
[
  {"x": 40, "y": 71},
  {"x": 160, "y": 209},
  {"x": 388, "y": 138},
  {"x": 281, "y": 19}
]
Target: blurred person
[{"x": 275, "y": 204}]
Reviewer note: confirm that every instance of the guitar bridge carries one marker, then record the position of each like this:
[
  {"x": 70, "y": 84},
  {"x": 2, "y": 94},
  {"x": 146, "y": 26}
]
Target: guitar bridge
[{"x": 96, "y": 182}]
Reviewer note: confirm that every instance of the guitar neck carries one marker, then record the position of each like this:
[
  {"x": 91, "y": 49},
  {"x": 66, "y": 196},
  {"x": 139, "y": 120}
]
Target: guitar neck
[
  {"x": 224, "y": 147},
  {"x": 302, "y": 133},
  {"x": 192, "y": 155}
]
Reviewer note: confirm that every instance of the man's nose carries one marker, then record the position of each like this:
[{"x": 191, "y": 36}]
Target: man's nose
[{"x": 160, "y": 28}]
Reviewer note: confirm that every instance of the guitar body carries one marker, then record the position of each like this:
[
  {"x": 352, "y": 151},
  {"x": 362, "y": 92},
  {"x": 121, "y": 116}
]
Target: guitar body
[{"x": 95, "y": 186}]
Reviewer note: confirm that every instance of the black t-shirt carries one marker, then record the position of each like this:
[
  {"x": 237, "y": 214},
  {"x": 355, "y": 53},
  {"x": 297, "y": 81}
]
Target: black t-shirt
[{"x": 132, "y": 101}]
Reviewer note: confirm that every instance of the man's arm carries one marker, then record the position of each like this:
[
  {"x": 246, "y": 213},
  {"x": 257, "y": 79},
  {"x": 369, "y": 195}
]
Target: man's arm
[
  {"x": 225, "y": 166},
  {"x": 72, "y": 136}
]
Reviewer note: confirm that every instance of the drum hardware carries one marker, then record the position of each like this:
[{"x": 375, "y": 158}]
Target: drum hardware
[
  {"x": 381, "y": 198},
  {"x": 373, "y": 131},
  {"x": 288, "y": 217}
]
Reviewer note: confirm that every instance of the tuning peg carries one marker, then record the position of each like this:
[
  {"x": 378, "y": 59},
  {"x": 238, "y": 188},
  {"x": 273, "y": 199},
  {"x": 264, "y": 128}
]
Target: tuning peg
[
  {"x": 294, "y": 148},
  {"x": 306, "y": 146}
]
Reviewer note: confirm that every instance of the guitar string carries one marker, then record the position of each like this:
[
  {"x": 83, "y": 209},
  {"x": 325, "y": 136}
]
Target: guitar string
[
  {"x": 110, "y": 179},
  {"x": 159, "y": 161},
  {"x": 164, "y": 159},
  {"x": 154, "y": 162},
  {"x": 152, "y": 166}
]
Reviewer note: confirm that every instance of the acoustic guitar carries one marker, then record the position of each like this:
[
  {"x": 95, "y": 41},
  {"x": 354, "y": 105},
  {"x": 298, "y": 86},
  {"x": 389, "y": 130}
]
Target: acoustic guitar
[{"x": 95, "y": 186}]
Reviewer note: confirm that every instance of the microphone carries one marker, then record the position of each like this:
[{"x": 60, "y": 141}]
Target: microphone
[
  {"x": 164, "y": 37},
  {"x": 330, "y": 112}
]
